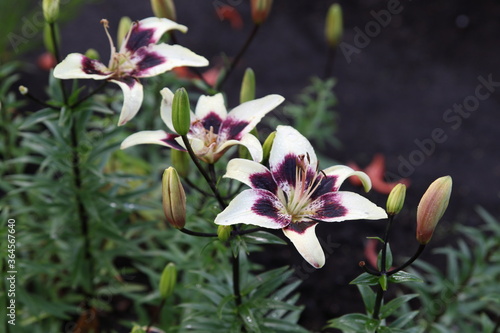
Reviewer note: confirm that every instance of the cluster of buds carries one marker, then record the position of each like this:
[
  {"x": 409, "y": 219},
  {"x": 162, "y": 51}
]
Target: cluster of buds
[{"x": 431, "y": 208}]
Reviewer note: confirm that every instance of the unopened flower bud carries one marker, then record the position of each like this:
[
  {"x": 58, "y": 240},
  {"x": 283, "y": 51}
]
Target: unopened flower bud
[
  {"x": 123, "y": 29},
  {"x": 396, "y": 199},
  {"x": 181, "y": 116},
  {"x": 260, "y": 10},
  {"x": 266, "y": 147},
  {"x": 334, "y": 25},
  {"x": 174, "y": 198},
  {"x": 92, "y": 54},
  {"x": 432, "y": 207},
  {"x": 180, "y": 161},
  {"x": 50, "y": 10},
  {"x": 224, "y": 232},
  {"x": 164, "y": 8},
  {"x": 23, "y": 90},
  {"x": 168, "y": 280},
  {"x": 247, "y": 92}
]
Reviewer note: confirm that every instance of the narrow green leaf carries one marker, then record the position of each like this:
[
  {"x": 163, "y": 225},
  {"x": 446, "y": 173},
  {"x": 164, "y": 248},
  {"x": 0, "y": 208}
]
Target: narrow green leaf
[
  {"x": 394, "y": 304},
  {"x": 248, "y": 319},
  {"x": 403, "y": 276},
  {"x": 366, "y": 279},
  {"x": 350, "y": 323},
  {"x": 382, "y": 281},
  {"x": 368, "y": 296}
]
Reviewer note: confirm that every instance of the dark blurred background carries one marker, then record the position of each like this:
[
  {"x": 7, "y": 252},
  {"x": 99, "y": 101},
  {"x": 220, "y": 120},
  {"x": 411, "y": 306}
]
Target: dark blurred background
[{"x": 409, "y": 89}]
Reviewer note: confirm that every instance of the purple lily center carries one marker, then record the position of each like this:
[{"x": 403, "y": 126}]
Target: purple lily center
[{"x": 307, "y": 180}]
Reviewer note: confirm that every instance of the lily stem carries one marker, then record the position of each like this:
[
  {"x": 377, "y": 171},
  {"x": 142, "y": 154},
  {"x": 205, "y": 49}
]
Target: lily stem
[
  {"x": 92, "y": 93},
  {"x": 409, "y": 261},
  {"x": 82, "y": 213},
  {"x": 156, "y": 316},
  {"x": 207, "y": 177},
  {"x": 53, "y": 36},
  {"x": 236, "y": 59},
  {"x": 380, "y": 292}
]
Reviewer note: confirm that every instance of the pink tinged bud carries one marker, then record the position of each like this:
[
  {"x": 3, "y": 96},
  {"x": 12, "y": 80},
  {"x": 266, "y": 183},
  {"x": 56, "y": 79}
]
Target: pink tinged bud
[
  {"x": 164, "y": 9},
  {"x": 432, "y": 207},
  {"x": 334, "y": 25},
  {"x": 174, "y": 198},
  {"x": 396, "y": 199},
  {"x": 260, "y": 10}
]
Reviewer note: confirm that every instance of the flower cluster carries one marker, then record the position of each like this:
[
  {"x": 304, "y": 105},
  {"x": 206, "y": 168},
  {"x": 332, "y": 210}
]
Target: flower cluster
[{"x": 139, "y": 57}]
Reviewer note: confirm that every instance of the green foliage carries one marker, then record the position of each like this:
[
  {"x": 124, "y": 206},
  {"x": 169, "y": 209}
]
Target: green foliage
[
  {"x": 466, "y": 296},
  {"x": 313, "y": 113}
]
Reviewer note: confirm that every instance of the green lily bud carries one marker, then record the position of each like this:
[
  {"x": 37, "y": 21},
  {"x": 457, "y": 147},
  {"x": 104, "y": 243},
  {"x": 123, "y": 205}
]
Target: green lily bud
[
  {"x": 334, "y": 25},
  {"x": 266, "y": 147},
  {"x": 432, "y": 207},
  {"x": 92, "y": 54},
  {"x": 174, "y": 198},
  {"x": 396, "y": 199},
  {"x": 247, "y": 92},
  {"x": 224, "y": 232},
  {"x": 123, "y": 29},
  {"x": 168, "y": 280},
  {"x": 180, "y": 161},
  {"x": 164, "y": 8},
  {"x": 260, "y": 10},
  {"x": 50, "y": 10},
  {"x": 23, "y": 90},
  {"x": 181, "y": 114}
]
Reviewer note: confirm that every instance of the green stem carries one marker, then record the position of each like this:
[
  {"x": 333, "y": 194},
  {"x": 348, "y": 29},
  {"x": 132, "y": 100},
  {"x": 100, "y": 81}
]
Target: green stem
[
  {"x": 53, "y": 36},
  {"x": 409, "y": 261},
  {"x": 207, "y": 177},
  {"x": 92, "y": 93},
  {"x": 330, "y": 61},
  {"x": 236, "y": 59},
  {"x": 155, "y": 318},
  {"x": 380, "y": 292},
  {"x": 82, "y": 213},
  {"x": 236, "y": 279}
]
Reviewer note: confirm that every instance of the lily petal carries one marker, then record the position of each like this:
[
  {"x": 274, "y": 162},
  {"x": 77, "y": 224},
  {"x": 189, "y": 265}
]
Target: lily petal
[
  {"x": 249, "y": 141},
  {"x": 149, "y": 31},
  {"x": 306, "y": 242},
  {"x": 341, "y": 206},
  {"x": 132, "y": 98},
  {"x": 287, "y": 146},
  {"x": 155, "y": 59},
  {"x": 243, "y": 118},
  {"x": 256, "y": 207},
  {"x": 78, "y": 66},
  {"x": 342, "y": 172},
  {"x": 152, "y": 137},
  {"x": 251, "y": 173},
  {"x": 211, "y": 111}
]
